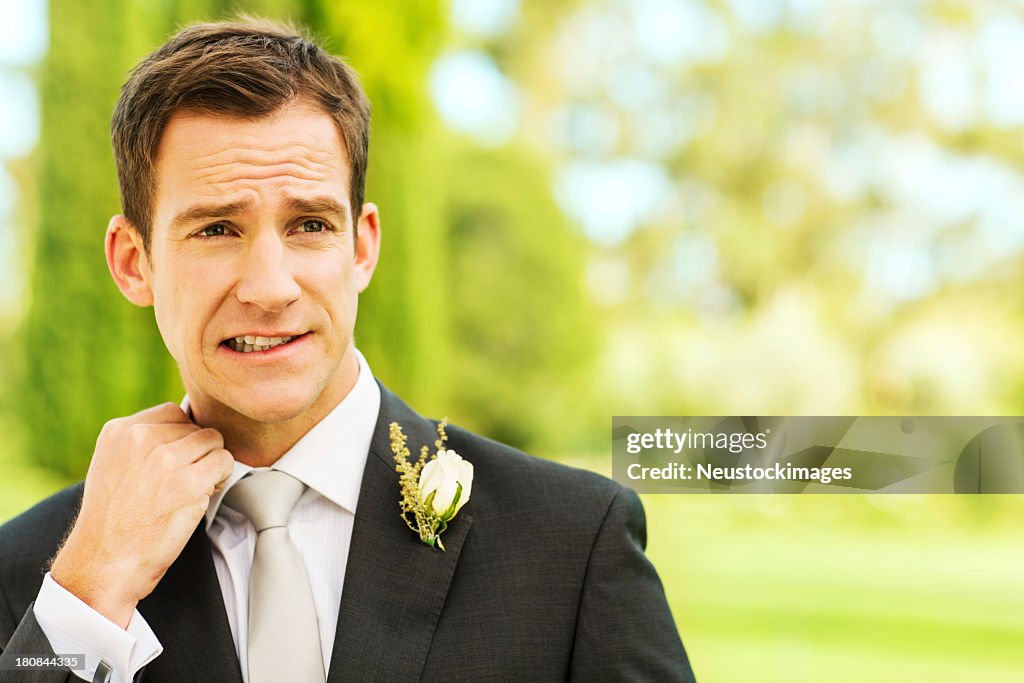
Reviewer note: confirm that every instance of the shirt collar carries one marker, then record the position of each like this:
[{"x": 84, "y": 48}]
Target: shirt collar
[{"x": 330, "y": 457}]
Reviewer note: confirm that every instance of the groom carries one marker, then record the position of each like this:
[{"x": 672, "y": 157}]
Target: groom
[{"x": 253, "y": 533}]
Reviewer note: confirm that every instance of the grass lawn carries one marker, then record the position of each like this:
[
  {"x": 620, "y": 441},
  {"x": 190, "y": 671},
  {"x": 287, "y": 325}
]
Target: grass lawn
[{"x": 832, "y": 588}]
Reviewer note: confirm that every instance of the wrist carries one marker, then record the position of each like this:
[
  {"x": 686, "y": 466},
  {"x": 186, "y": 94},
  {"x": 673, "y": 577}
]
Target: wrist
[{"x": 94, "y": 583}]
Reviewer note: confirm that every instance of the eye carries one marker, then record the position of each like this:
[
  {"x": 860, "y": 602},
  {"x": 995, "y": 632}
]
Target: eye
[
  {"x": 215, "y": 230},
  {"x": 313, "y": 225}
]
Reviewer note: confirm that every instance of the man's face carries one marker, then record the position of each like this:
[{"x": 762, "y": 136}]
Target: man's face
[{"x": 253, "y": 268}]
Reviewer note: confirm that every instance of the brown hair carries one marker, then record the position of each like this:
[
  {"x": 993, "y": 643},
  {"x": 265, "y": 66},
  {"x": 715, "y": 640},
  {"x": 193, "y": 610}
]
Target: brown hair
[{"x": 248, "y": 68}]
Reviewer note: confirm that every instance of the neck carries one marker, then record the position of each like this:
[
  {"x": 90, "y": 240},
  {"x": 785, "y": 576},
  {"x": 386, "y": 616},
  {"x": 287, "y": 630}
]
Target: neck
[{"x": 260, "y": 444}]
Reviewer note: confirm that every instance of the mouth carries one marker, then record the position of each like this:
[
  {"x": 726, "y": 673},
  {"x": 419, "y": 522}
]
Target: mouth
[{"x": 252, "y": 343}]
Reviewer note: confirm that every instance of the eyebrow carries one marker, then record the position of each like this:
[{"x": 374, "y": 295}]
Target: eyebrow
[
  {"x": 205, "y": 212},
  {"x": 323, "y": 205}
]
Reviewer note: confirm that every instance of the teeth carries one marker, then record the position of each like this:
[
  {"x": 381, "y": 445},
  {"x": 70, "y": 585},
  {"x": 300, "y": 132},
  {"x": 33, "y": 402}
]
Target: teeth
[{"x": 251, "y": 343}]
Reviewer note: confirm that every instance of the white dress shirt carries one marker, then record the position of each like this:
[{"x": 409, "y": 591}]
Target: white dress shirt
[{"x": 329, "y": 459}]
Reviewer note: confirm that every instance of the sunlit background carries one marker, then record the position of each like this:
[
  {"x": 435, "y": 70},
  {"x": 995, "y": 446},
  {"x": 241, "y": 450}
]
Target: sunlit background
[{"x": 611, "y": 207}]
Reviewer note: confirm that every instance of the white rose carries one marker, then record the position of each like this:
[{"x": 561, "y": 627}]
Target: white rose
[{"x": 442, "y": 476}]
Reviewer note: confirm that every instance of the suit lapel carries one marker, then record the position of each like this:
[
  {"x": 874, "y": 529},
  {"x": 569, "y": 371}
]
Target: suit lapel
[
  {"x": 395, "y": 585},
  {"x": 186, "y": 612}
]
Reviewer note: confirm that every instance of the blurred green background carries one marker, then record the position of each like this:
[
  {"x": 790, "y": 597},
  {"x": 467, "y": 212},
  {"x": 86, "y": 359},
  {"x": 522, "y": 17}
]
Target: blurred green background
[{"x": 600, "y": 207}]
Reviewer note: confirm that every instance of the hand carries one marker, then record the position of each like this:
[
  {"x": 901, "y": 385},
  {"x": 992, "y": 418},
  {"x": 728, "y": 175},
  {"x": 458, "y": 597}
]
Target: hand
[{"x": 148, "y": 485}]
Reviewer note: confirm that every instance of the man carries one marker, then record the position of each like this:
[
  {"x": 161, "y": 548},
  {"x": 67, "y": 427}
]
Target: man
[{"x": 241, "y": 151}]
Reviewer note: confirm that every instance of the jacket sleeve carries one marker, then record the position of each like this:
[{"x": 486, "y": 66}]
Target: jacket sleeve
[
  {"x": 29, "y": 640},
  {"x": 624, "y": 628}
]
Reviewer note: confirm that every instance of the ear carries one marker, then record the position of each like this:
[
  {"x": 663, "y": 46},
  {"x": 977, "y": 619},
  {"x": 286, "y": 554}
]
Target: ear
[
  {"x": 367, "y": 244},
  {"x": 128, "y": 262}
]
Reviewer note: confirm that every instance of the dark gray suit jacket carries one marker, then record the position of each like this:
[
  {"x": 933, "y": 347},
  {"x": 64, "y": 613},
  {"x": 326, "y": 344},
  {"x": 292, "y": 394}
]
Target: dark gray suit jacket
[{"x": 544, "y": 579}]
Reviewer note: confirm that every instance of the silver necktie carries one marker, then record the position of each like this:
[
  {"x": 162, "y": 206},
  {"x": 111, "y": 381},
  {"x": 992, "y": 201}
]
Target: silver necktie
[{"x": 284, "y": 639}]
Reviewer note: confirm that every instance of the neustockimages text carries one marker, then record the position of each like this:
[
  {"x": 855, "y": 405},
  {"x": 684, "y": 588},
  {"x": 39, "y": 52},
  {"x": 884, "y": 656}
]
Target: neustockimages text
[{"x": 777, "y": 471}]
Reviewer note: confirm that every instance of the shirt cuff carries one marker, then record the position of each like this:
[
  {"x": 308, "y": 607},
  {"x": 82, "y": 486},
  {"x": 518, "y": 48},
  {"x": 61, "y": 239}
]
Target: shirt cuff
[{"x": 72, "y": 627}]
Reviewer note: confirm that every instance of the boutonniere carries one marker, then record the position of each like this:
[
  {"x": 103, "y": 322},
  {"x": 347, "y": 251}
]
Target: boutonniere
[{"x": 434, "y": 488}]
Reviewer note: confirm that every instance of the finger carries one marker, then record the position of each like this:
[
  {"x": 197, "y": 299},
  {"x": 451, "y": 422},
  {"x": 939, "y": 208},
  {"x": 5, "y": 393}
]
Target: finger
[
  {"x": 215, "y": 468},
  {"x": 143, "y": 438},
  {"x": 194, "y": 446}
]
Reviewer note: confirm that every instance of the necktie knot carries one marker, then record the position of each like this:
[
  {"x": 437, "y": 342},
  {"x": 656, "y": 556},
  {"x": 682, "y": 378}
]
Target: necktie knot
[{"x": 266, "y": 498}]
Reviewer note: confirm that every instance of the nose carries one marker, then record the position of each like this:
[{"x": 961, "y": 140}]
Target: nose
[{"x": 266, "y": 278}]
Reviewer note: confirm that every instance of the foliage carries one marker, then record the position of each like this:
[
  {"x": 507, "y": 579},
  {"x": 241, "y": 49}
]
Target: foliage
[{"x": 88, "y": 355}]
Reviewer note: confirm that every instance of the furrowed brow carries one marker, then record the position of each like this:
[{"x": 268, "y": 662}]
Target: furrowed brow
[{"x": 205, "y": 212}]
